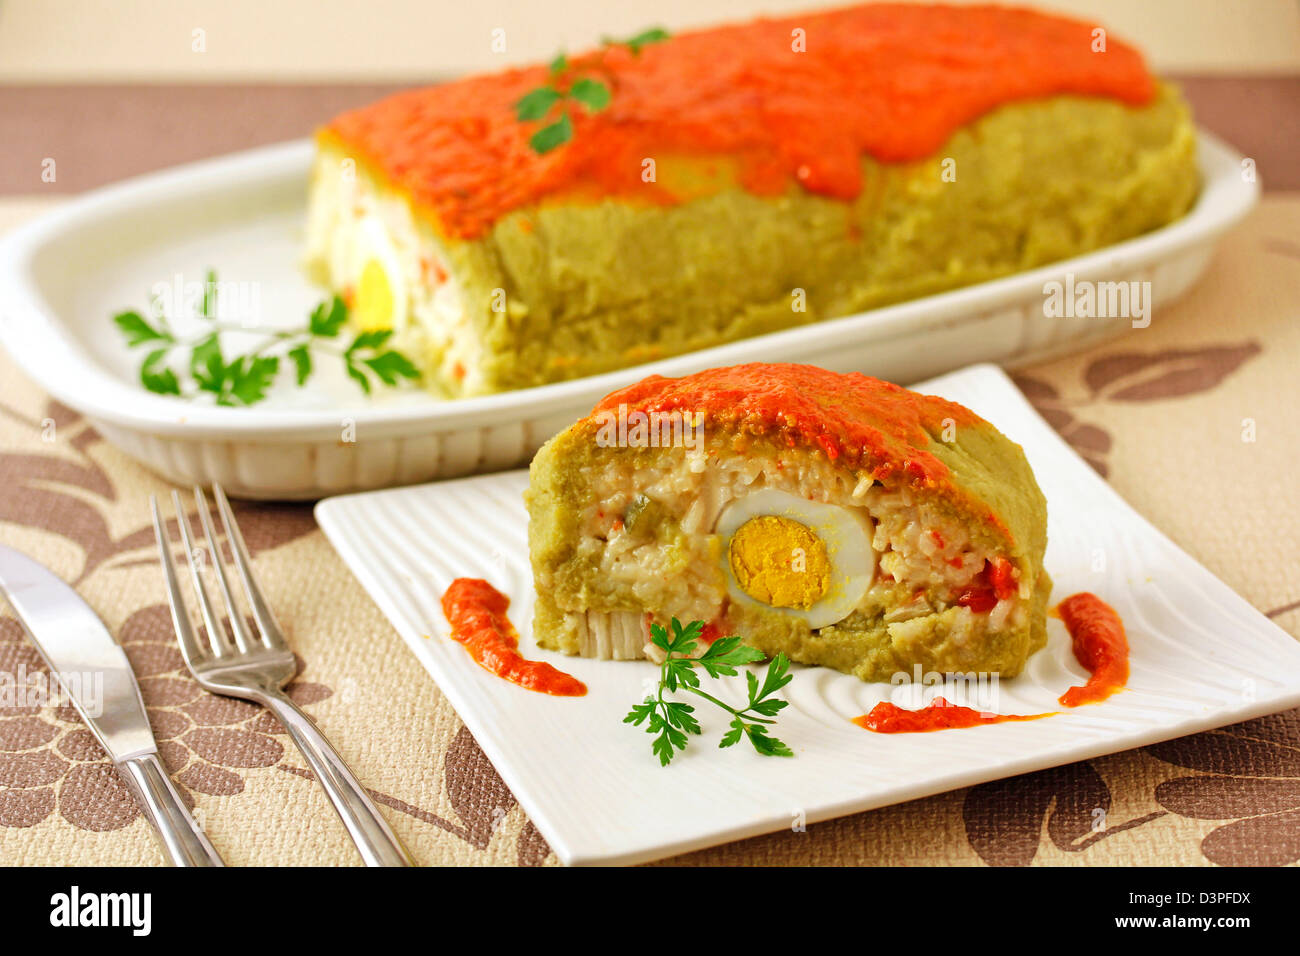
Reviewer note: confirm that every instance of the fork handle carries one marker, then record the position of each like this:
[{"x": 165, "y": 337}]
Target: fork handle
[
  {"x": 368, "y": 829},
  {"x": 178, "y": 832}
]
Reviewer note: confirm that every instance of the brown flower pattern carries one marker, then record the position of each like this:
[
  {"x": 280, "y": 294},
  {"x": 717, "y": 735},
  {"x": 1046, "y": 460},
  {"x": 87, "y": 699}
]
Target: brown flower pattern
[
  {"x": 58, "y": 495},
  {"x": 50, "y": 763},
  {"x": 1248, "y": 775},
  {"x": 1004, "y": 818},
  {"x": 1130, "y": 377}
]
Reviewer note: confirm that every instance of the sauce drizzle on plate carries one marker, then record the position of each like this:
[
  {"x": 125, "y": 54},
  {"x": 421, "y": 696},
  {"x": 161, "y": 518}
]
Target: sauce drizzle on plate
[
  {"x": 477, "y": 614},
  {"x": 939, "y": 714},
  {"x": 1099, "y": 643}
]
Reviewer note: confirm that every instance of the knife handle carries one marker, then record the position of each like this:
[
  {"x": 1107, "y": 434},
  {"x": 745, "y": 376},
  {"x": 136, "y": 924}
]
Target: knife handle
[{"x": 178, "y": 832}]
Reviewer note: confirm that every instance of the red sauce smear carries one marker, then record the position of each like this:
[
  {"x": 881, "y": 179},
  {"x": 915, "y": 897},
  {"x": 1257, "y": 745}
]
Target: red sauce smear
[
  {"x": 1098, "y": 640},
  {"x": 939, "y": 714},
  {"x": 477, "y": 614},
  {"x": 778, "y": 103},
  {"x": 1099, "y": 643}
]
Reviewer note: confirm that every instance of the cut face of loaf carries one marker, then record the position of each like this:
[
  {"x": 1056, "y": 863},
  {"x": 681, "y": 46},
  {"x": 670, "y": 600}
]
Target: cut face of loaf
[{"x": 818, "y": 514}]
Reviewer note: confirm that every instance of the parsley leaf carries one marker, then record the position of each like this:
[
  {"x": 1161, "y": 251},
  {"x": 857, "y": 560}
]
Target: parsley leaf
[
  {"x": 535, "y": 105},
  {"x": 246, "y": 379},
  {"x": 592, "y": 94},
  {"x": 644, "y": 38},
  {"x": 679, "y": 715},
  {"x": 369, "y": 340},
  {"x": 328, "y": 318},
  {"x": 162, "y": 381},
  {"x": 765, "y": 745},
  {"x": 672, "y": 721},
  {"x": 137, "y": 330},
  {"x": 301, "y": 357},
  {"x": 206, "y": 363},
  {"x": 549, "y": 137},
  {"x": 725, "y": 654},
  {"x": 641, "y": 712},
  {"x": 358, "y": 376},
  {"x": 391, "y": 366},
  {"x": 668, "y": 742}
]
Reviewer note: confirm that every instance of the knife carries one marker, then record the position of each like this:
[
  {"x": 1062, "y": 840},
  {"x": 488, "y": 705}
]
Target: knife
[{"x": 97, "y": 677}]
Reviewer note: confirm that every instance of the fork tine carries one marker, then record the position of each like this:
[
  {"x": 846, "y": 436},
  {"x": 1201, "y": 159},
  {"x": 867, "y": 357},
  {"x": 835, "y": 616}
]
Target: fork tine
[
  {"x": 266, "y": 622},
  {"x": 190, "y": 646},
  {"x": 215, "y": 634},
  {"x": 243, "y": 640}
]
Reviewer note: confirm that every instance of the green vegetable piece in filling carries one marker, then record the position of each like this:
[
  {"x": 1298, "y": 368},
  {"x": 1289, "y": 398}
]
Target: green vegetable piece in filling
[{"x": 643, "y": 516}]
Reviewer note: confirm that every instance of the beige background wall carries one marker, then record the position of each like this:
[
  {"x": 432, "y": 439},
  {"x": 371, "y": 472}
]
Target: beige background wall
[{"x": 151, "y": 40}]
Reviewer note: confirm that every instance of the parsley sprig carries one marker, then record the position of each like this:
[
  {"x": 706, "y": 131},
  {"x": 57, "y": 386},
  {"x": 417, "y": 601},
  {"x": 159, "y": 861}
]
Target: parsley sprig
[
  {"x": 671, "y": 721},
  {"x": 593, "y": 94},
  {"x": 244, "y": 379},
  {"x": 636, "y": 42}
]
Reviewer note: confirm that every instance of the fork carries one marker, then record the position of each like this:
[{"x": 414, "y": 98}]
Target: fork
[{"x": 256, "y": 666}]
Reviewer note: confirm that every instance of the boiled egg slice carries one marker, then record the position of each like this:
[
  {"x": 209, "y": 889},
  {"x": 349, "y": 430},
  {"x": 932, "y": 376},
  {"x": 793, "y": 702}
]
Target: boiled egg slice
[
  {"x": 379, "y": 296},
  {"x": 805, "y": 559}
]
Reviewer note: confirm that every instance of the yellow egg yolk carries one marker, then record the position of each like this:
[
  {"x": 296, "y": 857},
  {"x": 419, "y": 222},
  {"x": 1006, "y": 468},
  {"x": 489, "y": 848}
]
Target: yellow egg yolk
[
  {"x": 372, "y": 308},
  {"x": 780, "y": 562}
]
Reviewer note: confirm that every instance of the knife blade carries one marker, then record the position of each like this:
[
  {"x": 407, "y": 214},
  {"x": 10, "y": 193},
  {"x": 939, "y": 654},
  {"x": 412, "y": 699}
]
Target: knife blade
[{"x": 96, "y": 677}]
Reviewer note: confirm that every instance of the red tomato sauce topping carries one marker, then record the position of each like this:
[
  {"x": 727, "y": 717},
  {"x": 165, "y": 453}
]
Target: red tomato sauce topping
[
  {"x": 1099, "y": 644},
  {"x": 477, "y": 614},
  {"x": 780, "y": 102},
  {"x": 851, "y": 416}
]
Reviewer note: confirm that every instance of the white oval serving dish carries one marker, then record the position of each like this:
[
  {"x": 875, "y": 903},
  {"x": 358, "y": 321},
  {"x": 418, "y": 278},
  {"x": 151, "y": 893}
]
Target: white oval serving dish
[{"x": 65, "y": 274}]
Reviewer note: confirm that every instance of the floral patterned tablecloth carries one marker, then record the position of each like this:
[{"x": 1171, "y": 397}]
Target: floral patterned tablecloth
[{"x": 1193, "y": 420}]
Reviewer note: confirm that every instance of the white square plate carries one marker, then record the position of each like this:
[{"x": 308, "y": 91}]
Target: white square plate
[{"x": 1201, "y": 657}]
